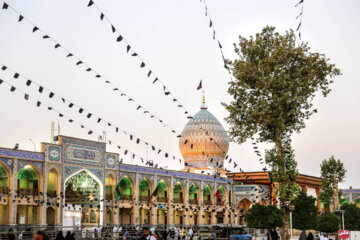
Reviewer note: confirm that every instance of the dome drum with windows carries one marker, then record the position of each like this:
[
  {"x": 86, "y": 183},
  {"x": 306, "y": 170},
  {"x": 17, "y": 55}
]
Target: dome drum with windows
[{"x": 204, "y": 142}]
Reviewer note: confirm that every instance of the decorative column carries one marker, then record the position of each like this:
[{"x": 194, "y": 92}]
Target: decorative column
[
  {"x": 187, "y": 199},
  {"x": 136, "y": 192},
  {"x": 116, "y": 203},
  {"x": 154, "y": 212},
  {"x": 43, "y": 218},
  {"x": 201, "y": 212},
  {"x": 12, "y": 200},
  {"x": 171, "y": 200},
  {"x": 213, "y": 213}
]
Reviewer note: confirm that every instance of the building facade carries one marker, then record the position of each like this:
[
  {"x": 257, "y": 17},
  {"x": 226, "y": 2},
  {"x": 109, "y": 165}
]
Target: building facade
[{"x": 73, "y": 183}]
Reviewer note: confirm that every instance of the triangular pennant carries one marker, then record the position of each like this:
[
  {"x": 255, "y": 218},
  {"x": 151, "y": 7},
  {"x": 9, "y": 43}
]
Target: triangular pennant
[
  {"x": 113, "y": 28},
  {"x": 149, "y": 73},
  {"x": 5, "y": 6},
  {"x": 38, "y": 103},
  {"x": 69, "y": 55},
  {"x": 89, "y": 115},
  {"x": 12, "y": 88},
  {"x": 128, "y": 48},
  {"x": 16, "y": 75},
  {"x": 51, "y": 94},
  {"x": 46, "y": 37},
  {"x": 99, "y": 120},
  {"x": 219, "y": 45},
  {"x": 3, "y": 68},
  {"x": 134, "y": 54},
  {"x": 142, "y": 64},
  {"x": 90, "y": 132},
  {"x": 41, "y": 89},
  {"x": 81, "y": 110},
  {"x": 35, "y": 29},
  {"x": 90, "y": 3},
  {"x": 119, "y": 38},
  {"x": 20, "y": 18},
  {"x": 78, "y": 63},
  {"x": 210, "y": 25},
  {"x": 101, "y": 16},
  {"x": 26, "y": 96},
  {"x": 156, "y": 79},
  {"x": 57, "y": 45}
]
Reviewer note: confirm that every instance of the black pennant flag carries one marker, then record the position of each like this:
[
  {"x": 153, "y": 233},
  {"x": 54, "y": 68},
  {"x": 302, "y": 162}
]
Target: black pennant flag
[
  {"x": 26, "y": 96},
  {"x": 89, "y": 115},
  {"x": 12, "y": 88},
  {"x": 5, "y": 6},
  {"x": 16, "y": 75},
  {"x": 128, "y": 48},
  {"x": 57, "y": 45},
  {"x": 78, "y": 63},
  {"x": 38, "y": 103},
  {"x": 99, "y": 120},
  {"x": 1, "y": 81},
  {"x": 219, "y": 45},
  {"x": 35, "y": 29},
  {"x": 149, "y": 73},
  {"x": 20, "y": 18},
  {"x": 113, "y": 28},
  {"x": 297, "y": 29},
  {"x": 69, "y": 55},
  {"x": 41, "y": 89},
  {"x": 90, "y": 132},
  {"x": 28, "y": 82},
  {"x": 51, "y": 94},
  {"x": 3, "y": 68},
  {"x": 134, "y": 54},
  {"x": 119, "y": 38},
  {"x": 46, "y": 36},
  {"x": 142, "y": 64},
  {"x": 101, "y": 16},
  {"x": 81, "y": 110},
  {"x": 90, "y": 3},
  {"x": 156, "y": 79},
  {"x": 210, "y": 23}
]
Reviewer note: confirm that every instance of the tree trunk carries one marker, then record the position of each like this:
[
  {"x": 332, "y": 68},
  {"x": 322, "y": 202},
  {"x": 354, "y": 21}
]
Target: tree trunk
[
  {"x": 285, "y": 229},
  {"x": 335, "y": 194}
]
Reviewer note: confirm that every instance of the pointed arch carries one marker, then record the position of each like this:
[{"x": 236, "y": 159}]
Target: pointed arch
[
  {"x": 207, "y": 194},
  {"x": 28, "y": 180},
  {"x": 179, "y": 192},
  {"x": 220, "y": 196},
  {"x": 126, "y": 185},
  {"x": 145, "y": 187},
  {"x": 4, "y": 178},
  {"x": 52, "y": 182},
  {"x": 194, "y": 194},
  {"x": 109, "y": 186},
  {"x": 162, "y": 191}
]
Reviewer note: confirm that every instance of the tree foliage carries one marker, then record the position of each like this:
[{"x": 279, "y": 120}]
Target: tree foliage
[
  {"x": 264, "y": 217},
  {"x": 332, "y": 172},
  {"x": 351, "y": 216},
  {"x": 276, "y": 80},
  {"x": 328, "y": 223},
  {"x": 305, "y": 212}
]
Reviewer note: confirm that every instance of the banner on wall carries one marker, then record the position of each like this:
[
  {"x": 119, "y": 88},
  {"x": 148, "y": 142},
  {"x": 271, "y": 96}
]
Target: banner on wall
[{"x": 344, "y": 234}]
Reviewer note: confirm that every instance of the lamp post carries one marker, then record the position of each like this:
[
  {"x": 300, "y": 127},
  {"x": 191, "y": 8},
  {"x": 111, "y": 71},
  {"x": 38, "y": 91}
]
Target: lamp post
[
  {"x": 292, "y": 208},
  {"x": 342, "y": 217}
]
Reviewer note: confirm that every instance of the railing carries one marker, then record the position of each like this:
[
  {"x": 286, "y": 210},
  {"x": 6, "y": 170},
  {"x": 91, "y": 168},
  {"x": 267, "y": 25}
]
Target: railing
[
  {"x": 162, "y": 199},
  {"x": 144, "y": 198},
  {"x": 219, "y": 203},
  {"x": 51, "y": 193},
  {"x": 125, "y": 197},
  {"x": 108, "y": 197},
  {"x": 4, "y": 190},
  {"x": 28, "y": 191},
  {"x": 178, "y": 200},
  {"x": 193, "y": 201},
  {"x": 207, "y": 202}
]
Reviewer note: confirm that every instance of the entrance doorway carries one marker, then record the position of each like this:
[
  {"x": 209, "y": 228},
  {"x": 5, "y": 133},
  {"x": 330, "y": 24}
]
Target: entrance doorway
[{"x": 83, "y": 205}]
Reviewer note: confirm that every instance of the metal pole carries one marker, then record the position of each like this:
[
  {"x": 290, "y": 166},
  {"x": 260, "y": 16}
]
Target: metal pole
[
  {"x": 291, "y": 231},
  {"x": 343, "y": 220}
]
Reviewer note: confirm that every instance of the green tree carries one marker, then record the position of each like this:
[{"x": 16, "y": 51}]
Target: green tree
[
  {"x": 332, "y": 172},
  {"x": 305, "y": 212},
  {"x": 275, "y": 82},
  {"x": 264, "y": 217},
  {"x": 328, "y": 223},
  {"x": 351, "y": 216}
]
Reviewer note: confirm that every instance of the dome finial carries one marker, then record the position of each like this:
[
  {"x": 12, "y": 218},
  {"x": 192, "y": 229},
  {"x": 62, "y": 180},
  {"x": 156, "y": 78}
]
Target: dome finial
[{"x": 203, "y": 106}]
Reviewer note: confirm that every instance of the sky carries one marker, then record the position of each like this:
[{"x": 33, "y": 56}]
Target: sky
[{"x": 174, "y": 40}]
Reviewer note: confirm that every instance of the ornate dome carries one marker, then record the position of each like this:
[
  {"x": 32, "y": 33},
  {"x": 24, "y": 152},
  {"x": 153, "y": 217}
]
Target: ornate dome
[{"x": 204, "y": 139}]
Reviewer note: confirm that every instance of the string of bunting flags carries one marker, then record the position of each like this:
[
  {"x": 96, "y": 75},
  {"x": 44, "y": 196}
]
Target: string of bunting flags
[
  {"x": 129, "y": 50},
  {"x": 298, "y": 29},
  {"x": 215, "y": 38},
  {"x": 82, "y": 111},
  {"x": 71, "y": 120},
  {"x": 88, "y": 68}
]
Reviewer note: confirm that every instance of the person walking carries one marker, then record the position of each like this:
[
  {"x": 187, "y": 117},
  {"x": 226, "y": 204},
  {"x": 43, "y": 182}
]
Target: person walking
[
  {"x": 310, "y": 236},
  {"x": 303, "y": 235}
]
